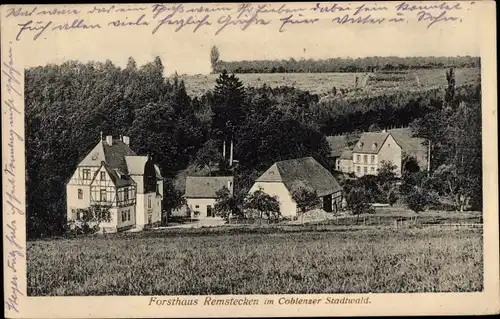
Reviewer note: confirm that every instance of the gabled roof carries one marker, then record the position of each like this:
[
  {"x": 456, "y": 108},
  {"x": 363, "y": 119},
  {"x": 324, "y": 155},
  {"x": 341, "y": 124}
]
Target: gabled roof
[
  {"x": 408, "y": 143},
  {"x": 411, "y": 145},
  {"x": 113, "y": 155},
  {"x": 206, "y": 186},
  {"x": 136, "y": 165},
  {"x": 300, "y": 171},
  {"x": 371, "y": 142},
  {"x": 346, "y": 154}
]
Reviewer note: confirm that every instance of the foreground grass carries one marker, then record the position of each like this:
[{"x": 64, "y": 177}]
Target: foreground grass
[{"x": 259, "y": 261}]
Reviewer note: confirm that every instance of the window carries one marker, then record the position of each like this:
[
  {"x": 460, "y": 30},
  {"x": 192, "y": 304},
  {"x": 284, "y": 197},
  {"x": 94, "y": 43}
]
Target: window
[
  {"x": 366, "y": 158},
  {"x": 125, "y": 215},
  {"x": 80, "y": 193},
  {"x": 365, "y": 169},
  {"x": 389, "y": 145},
  {"x": 358, "y": 169},
  {"x": 78, "y": 215},
  {"x": 359, "y": 158},
  {"x": 373, "y": 159},
  {"x": 86, "y": 173},
  {"x": 149, "y": 201},
  {"x": 372, "y": 169},
  {"x": 197, "y": 206},
  {"x": 103, "y": 176},
  {"x": 125, "y": 194},
  {"x": 103, "y": 195}
]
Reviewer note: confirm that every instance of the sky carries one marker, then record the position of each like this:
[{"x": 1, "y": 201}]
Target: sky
[{"x": 185, "y": 52}]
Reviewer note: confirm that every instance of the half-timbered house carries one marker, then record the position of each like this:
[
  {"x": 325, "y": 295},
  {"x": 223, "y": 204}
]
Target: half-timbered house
[{"x": 114, "y": 176}]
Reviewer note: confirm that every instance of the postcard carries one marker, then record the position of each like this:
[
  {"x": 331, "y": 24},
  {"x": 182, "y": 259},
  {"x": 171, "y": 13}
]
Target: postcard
[{"x": 250, "y": 159}]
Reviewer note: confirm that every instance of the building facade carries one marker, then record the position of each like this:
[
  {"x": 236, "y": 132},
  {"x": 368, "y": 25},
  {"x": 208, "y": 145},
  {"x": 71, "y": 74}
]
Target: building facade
[
  {"x": 282, "y": 178},
  {"x": 374, "y": 148},
  {"x": 369, "y": 153},
  {"x": 201, "y": 194},
  {"x": 115, "y": 177}
]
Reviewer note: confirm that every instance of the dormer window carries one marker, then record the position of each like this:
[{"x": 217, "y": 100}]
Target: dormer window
[
  {"x": 360, "y": 145},
  {"x": 374, "y": 146}
]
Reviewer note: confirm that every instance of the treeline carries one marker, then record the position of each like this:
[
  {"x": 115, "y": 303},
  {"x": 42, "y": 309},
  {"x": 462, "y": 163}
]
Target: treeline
[
  {"x": 368, "y": 64},
  {"x": 68, "y": 105}
]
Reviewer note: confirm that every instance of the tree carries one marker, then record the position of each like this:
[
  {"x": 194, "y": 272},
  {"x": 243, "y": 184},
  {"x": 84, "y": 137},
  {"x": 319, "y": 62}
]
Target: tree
[
  {"x": 417, "y": 199},
  {"x": 358, "y": 201},
  {"x": 226, "y": 204},
  {"x": 449, "y": 97},
  {"x": 386, "y": 179},
  {"x": 172, "y": 198},
  {"x": 387, "y": 172},
  {"x": 410, "y": 164},
  {"x": 208, "y": 156},
  {"x": 264, "y": 203},
  {"x": 228, "y": 106},
  {"x": 89, "y": 219},
  {"x": 453, "y": 185},
  {"x": 305, "y": 197},
  {"x": 392, "y": 196},
  {"x": 214, "y": 58},
  {"x": 131, "y": 64}
]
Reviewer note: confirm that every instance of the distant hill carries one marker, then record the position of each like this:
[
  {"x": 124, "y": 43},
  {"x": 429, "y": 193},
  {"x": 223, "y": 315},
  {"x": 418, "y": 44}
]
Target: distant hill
[
  {"x": 323, "y": 83},
  {"x": 368, "y": 64}
]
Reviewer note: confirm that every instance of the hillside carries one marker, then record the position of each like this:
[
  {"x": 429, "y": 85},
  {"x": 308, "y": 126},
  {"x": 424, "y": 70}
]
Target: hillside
[{"x": 323, "y": 83}]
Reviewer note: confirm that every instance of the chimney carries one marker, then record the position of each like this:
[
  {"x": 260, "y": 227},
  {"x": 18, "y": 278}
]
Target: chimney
[
  {"x": 231, "y": 155},
  {"x": 109, "y": 140},
  {"x": 126, "y": 140}
]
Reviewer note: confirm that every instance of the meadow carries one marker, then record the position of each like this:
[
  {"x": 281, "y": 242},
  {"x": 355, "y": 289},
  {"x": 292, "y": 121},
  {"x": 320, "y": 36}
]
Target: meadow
[
  {"x": 322, "y": 83},
  {"x": 259, "y": 260}
]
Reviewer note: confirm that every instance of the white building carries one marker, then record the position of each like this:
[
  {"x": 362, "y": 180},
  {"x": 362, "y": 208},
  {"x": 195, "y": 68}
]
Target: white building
[
  {"x": 374, "y": 148},
  {"x": 283, "y": 177},
  {"x": 201, "y": 193},
  {"x": 115, "y": 176}
]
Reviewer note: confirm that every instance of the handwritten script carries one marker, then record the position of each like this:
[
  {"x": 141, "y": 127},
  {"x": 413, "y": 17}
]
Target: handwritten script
[
  {"x": 15, "y": 207},
  {"x": 39, "y": 22}
]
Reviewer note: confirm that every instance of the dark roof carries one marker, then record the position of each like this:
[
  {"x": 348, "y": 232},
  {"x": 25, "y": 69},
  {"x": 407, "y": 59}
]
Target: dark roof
[
  {"x": 296, "y": 172},
  {"x": 119, "y": 178},
  {"x": 206, "y": 186},
  {"x": 113, "y": 155}
]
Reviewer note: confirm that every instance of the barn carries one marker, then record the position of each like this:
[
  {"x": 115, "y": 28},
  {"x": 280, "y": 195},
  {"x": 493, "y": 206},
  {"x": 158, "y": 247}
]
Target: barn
[{"x": 283, "y": 177}]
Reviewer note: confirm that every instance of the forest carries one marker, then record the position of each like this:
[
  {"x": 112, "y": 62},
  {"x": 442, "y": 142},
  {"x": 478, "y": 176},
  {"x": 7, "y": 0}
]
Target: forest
[
  {"x": 68, "y": 105},
  {"x": 368, "y": 64}
]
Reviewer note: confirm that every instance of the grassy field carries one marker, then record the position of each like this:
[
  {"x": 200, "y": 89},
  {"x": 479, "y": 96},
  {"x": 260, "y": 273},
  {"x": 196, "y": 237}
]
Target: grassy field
[
  {"x": 320, "y": 83},
  {"x": 259, "y": 260}
]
